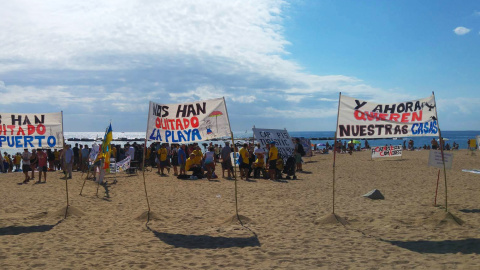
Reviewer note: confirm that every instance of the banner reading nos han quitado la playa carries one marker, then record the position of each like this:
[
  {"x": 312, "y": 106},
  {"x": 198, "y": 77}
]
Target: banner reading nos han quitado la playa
[
  {"x": 188, "y": 122},
  {"x": 34, "y": 130},
  {"x": 364, "y": 119}
]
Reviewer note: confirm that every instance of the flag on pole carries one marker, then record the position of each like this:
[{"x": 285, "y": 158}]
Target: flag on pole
[{"x": 105, "y": 149}]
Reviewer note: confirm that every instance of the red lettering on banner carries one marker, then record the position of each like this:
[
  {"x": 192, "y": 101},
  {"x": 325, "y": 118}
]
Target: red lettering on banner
[
  {"x": 194, "y": 121},
  {"x": 41, "y": 129},
  {"x": 31, "y": 129},
  {"x": 158, "y": 122},
  {"x": 12, "y": 128},
  {"x": 179, "y": 124},
  {"x": 186, "y": 123},
  {"x": 417, "y": 116},
  {"x": 359, "y": 115},
  {"x": 405, "y": 117},
  {"x": 394, "y": 117},
  {"x": 20, "y": 130}
]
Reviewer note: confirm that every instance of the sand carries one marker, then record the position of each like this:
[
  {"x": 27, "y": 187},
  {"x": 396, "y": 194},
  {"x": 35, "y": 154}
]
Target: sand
[{"x": 290, "y": 225}]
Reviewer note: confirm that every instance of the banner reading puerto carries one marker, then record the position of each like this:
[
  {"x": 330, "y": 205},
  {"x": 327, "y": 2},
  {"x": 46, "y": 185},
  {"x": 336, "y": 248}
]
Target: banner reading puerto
[
  {"x": 33, "y": 130},
  {"x": 188, "y": 122},
  {"x": 363, "y": 119}
]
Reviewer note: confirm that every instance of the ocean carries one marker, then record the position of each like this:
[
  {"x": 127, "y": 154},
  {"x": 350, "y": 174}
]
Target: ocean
[{"x": 460, "y": 137}]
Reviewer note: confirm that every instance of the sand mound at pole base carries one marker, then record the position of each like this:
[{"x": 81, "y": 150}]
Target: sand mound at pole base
[
  {"x": 331, "y": 219},
  {"x": 235, "y": 220},
  {"x": 445, "y": 219},
  {"x": 153, "y": 216}
]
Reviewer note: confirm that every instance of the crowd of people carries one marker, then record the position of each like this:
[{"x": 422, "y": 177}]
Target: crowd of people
[{"x": 253, "y": 160}]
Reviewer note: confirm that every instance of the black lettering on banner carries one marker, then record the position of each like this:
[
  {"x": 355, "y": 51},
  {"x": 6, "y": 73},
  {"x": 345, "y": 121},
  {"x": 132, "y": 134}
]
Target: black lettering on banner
[
  {"x": 359, "y": 105},
  {"x": 41, "y": 120},
  {"x": 16, "y": 119},
  {"x": 344, "y": 131}
]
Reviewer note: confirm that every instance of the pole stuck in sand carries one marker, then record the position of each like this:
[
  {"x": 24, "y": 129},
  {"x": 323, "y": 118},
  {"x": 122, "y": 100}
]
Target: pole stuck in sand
[
  {"x": 64, "y": 164},
  {"x": 441, "y": 151},
  {"x": 335, "y": 155},
  {"x": 234, "y": 164}
]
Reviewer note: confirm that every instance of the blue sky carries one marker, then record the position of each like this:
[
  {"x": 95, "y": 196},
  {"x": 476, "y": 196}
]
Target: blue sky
[{"x": 279, "y": 64}]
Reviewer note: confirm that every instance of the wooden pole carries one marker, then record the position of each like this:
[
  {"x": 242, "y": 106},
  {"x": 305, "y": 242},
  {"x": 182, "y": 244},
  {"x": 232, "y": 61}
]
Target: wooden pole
[
  {"x": 441, "y": 151},
  {"x": 64, "y": 162},
  {"x": 143, "y": 168},
  {"x": 234, "y": 163},
  {"x": 436, "y": 190},
  {"x": 335, "y": 155}
]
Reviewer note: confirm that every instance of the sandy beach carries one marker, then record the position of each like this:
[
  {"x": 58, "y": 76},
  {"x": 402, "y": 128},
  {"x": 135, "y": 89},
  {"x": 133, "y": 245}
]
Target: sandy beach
[{"x": 193, "y": 224}]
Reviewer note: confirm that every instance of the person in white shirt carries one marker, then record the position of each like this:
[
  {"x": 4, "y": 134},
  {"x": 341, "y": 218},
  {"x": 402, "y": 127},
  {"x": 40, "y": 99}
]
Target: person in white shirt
[{"x": 130, "y": 152}]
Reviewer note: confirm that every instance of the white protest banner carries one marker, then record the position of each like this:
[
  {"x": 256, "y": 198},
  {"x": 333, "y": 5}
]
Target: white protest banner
[
  {"x": 435, "y": 159},
  {"x": 282, "y": 140},
  {"x": 387, "y": 151},
  {"x": 32, "y": 130},
  {"x": 188, "y": 122},
  {"x": 123, "y": 165},
  {"x": 364, "y": 119}
]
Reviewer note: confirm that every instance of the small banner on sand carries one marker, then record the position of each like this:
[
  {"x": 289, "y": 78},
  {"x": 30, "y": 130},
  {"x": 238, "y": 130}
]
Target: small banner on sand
[
  {"x": 188, "y": 122},
  {"x": 33, "y": 130},
  {"x": 282, "y": 140},
  {"x": 435, "y": 159},
  {"x": 387, "y": 151},
  {"x": 364, "y": 119},
  {"x": 123, "y": 165}
]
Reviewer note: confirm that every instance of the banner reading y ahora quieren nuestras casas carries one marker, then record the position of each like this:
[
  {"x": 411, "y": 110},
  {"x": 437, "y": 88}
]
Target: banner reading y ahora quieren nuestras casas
[
  {"x": 32, "y": 130},
  {"x": 363, "y": 119},
  {"x": 188, "y": 122}
]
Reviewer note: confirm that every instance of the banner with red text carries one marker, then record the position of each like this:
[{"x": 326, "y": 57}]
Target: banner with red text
[
  {"x": 31, "y": 130},
  {"x": 364, "y": 119},
  {"x": 188, "y": 122},
  {"x": 387, "y": 151}
]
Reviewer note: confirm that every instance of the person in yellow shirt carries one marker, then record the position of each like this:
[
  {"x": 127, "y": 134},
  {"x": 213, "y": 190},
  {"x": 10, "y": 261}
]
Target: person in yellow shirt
[
  {"x": 18, "y": 159},
  {"x": 245, "y": 165},
  {"x": 258, "y": 166},
  {"x": 192, "y": 165},
  {"x": 7, "y": 161},
  {"x": 272, "y": 160},
  {"x": 198, "y": 155},
  {"x": 162, "y": 154}
]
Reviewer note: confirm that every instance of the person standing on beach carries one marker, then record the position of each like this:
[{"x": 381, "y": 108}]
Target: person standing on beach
[
  {"x": 26, "y": 164},
  {"x": 18, "y": 160},
  {"x": 162, "y": 159},
  {"x": 33, "y": 162},
  {"x": 182, "y": 159},
  {"x": 76, "y": 152},
  {"x": 245, "y": 164},
  {"x": 85, "y": 154},
  {"x": 226, "y": 160},
  {"x": 69, "y": 159},
  {"x": 272, "y": 160},
  {"x": 42, "y": 165}
]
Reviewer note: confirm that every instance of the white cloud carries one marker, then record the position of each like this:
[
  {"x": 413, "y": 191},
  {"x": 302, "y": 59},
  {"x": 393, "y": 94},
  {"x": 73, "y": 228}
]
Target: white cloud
[
  {"x": 461, "y": 30},
  {"x": 116, "y": 55},
  {"x": 300, "y": 113},
  {"x": 476, "y": 13},
  {"x": 328, "y": 99}
]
